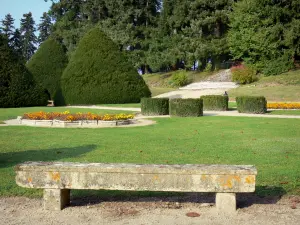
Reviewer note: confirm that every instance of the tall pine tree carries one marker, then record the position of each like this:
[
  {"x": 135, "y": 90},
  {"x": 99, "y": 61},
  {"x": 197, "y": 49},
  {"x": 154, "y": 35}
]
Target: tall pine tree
[
  {"x": 29, "y": 39},
  {"x": 44, "y": 27},
  {"x": 16, "y": 42},
  {"x": 7, "y": 27}
]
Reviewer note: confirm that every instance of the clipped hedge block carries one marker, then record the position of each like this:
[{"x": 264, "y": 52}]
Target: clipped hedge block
[
  {"x": 251, "y": 104},
  {"x": 186, "y": 107},
  {"x": 155, "y": 106},
  {"x": 215, "y": 102}
]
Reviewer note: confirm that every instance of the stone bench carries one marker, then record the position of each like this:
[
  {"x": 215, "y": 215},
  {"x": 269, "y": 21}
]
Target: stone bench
[{"x": 57, "y": 178}]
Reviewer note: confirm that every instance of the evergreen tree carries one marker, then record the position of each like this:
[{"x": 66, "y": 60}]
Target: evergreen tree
[
  {"x": 44, "y": 27},
  {"x": 266, "y": 34},
  {"x": 16, "y": 42},
  {"x": 99, "y": 73},
  {"x": 47, "y": 66},
  {"x": 7, "y": 27},
  {"x": 17, "y": 88},
  {"x": 29, "y": 39}
]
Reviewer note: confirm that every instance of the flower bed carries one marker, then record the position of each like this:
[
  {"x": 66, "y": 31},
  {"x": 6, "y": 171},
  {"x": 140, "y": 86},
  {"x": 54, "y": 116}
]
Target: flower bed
[
  {"x": 283, "y": 105},
  {"x": 66, "y": 119}
]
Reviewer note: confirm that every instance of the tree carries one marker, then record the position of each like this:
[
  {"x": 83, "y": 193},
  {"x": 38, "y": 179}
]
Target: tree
[
  {"x": 7, "y": 27},
  {"x": 16, "y": 42},
  {"x": 99, "y": 73},
  {"x": 17, "y": 87},
  {"x": 47, "y": 66},
  {"x": 44, "y": 27},
  {"x": 29, "y": 39},
  {"x": 266, "y": 34}
]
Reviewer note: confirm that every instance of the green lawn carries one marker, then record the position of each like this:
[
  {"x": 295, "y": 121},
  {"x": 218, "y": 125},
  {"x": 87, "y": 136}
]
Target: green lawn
[
  {"x": 12, "y": 113},
  {"x": 284, "y": 112},
  {"x": 272, "y": 145},
  {"x": 127, "y": 105}
]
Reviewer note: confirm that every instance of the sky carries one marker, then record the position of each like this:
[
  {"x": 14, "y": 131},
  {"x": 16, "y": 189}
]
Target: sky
[{"x": 18, "y": 7}]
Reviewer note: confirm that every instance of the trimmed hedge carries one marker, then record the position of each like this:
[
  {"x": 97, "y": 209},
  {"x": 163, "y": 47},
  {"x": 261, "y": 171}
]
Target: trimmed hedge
[
  {"x": 251, "y": 104},
  {"x": 99, "y": 73},
  {"x": 47, "y": 66},
  {"x": 215, "y": 102},
  {"x": 17, "y": 87},
  {"x": 186, "y": 107},
  {"x": 155, "y": 106}
]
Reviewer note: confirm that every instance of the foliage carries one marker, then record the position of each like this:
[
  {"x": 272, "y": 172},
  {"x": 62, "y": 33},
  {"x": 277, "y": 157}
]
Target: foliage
[
  {"x": 208, "y": 67},
  {"x": 67, "y": 116},
  {"x": 243, "y": 74},
  {"x": 283, "y": 105},
  {"x": 186, "y": 107},
  {"x": 7, "y": 27},
  {"x": 251, "y": 104},
  {"x": 180, "y": 78},
  {"x": 215, "y": 102},
  {"x": 265, "y": 33},
  {"x": 99, "y": 73},
  {"x": 29, "y": 39},
  {"x": 17, "y": 87},
  {"x": 44, "y": 28},
  {"x": 16, "y": 42},
  {"x": 155, "y": 106},
  {"x": 47, "y": 66}
]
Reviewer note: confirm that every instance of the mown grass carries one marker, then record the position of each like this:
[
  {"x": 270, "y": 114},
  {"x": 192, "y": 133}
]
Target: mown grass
[
  {"x": 284, "y": 112},
  {"x": 12, "y": 113},
  {"x": 272, "y": 145},
  {"x": 126, "y": 105}
]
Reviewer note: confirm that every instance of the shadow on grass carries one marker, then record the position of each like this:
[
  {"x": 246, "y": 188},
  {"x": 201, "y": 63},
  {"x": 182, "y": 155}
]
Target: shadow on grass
[
  {"x": 10, "y": 159},
  {"x": 263, "y": 195}
]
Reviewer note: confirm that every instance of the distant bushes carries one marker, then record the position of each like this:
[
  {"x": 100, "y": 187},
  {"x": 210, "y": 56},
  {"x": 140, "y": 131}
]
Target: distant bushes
[
  {"x": 155, "y": 106},
  {"x": 243, "y": 74},
  {"x": 186, "y": 107},
  {"x": 180, "y": 78},
  {"x": 215, "y": 102},
  {"x": 251, "y": 104}
]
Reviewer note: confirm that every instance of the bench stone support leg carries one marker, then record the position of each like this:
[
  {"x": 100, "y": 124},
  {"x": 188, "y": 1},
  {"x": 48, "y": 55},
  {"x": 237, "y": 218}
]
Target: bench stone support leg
[
  {"x": 56, "y": 199},
  {"x": 226, "y": 202}
]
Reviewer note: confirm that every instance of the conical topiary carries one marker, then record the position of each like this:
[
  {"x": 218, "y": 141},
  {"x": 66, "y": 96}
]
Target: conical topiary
[
  {"x": 47, "y": 66},
  {"x": 17, "y": 87},
  {"x": 99, "y": 73}
]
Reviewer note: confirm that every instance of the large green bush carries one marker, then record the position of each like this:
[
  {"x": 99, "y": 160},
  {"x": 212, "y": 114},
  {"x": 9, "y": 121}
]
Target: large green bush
[
  {"x": 47, "y": 66},
  {"x": 243, "y": 74},
  {"x": 180, "y": 78},
  {"x": 215, "y": 102},
  {"x": 17, "y": 87},
  {"x": 99, "y": 72},
  {"x": 186, "y": 107},
  {"x": 251, "y": 104},
  {"x": 155, "y": 106}
]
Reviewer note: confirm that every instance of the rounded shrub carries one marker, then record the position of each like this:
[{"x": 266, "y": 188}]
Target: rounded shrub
[
  {"x": 47, "y": 66},
  {"x": 155, "y": 106},
  {"x": 243, "y": 74},
  {"x": 186, "y": 107},
  {"x": 180, "y": 78},
  {"x": 98, "y": 72},
  {"x": 17, "y": 87},
  {"x": 251, "y": 104},
  {"x": 215, "y": 102}
]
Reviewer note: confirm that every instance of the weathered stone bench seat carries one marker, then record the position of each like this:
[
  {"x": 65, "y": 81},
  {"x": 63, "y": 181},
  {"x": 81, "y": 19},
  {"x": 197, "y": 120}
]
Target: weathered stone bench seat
[{"x": 57, "y": 178}]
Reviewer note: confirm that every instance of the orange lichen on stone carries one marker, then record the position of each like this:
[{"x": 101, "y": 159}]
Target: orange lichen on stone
[
  {"x": 55, "y": 176},
  {"x": 29, "y": 179},
  {"x": 250, "y": 179},
  {"x": 227, "y": 182},
  {"x": 203, "y": 177},
  {"x": 155, "y": 177}
]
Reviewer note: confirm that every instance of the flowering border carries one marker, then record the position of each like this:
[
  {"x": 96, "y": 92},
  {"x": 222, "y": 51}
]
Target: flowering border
[{"x": 283, "y": 105}]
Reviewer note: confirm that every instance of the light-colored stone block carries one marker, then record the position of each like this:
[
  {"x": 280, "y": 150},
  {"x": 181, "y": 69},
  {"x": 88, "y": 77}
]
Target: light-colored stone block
[
  {"x": 226, "y": 202},
  {"x": 56, "y": 199}
]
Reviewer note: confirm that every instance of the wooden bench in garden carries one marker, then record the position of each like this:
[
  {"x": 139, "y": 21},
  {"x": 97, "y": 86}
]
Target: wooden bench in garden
[
  {"x": 58, "y": 178},
  {"x": 50, "y": 103}
]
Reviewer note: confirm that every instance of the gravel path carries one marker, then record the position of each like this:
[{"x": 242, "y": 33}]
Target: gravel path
[{"x": 150, "y": 211}]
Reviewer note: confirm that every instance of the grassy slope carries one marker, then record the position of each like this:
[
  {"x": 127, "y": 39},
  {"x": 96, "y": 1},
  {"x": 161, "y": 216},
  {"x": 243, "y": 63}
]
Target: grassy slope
[
  {"x": 12, "y": 113},
  {"x": 280, "y": 88},
  {"x": 272, "y": 145}
]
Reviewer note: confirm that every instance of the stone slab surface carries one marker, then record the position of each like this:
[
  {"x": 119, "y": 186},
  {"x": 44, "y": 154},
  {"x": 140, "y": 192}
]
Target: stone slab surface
[{"x": 181, "y": 178}]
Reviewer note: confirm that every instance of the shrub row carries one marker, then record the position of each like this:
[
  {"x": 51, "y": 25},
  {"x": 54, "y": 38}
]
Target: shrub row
[
  {"x": 174, "y": 107},
  {"x": 215, "y": 102},
  {"x": 251, "y": 104}
]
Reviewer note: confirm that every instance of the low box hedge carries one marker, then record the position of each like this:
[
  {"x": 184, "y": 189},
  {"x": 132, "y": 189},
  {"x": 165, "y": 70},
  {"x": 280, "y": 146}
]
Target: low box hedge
[
  {"x": 251, "y": 104},
  {"x": 215, "y": 102},
  {"x": 186, "y": 107},
  {"x": 155, "y": 106}
]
